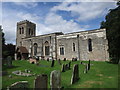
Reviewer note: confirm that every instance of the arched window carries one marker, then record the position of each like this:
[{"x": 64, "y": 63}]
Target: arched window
[
  {"x": 73, "y": 46},
  {"x": 89, "y": 44},
  {"x": 47, "y": 51},
  {"x": 35, "y": 49},
  {"x": 29, "y": 31},
  {"x": 61, "y": 50},
  {"x": 22, "y": 30}
]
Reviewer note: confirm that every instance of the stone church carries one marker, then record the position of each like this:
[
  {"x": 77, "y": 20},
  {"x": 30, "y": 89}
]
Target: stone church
[{"x": 83, "y": 45}]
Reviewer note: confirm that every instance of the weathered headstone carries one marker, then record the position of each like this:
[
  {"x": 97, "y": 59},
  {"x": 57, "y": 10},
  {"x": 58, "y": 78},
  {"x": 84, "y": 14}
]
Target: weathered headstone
[
  {"x": 89, "y": 65},
  {"x": 81, "y": 62},
  {"x": 55, "y": 80},
  {"x": 47, "y": 59},
  {"x": 69, "y": 65},
  {"x": 22, "y": 85},
  {"x": 63, "y": 68},
  {"x": 52, "y": 64},
  {"x": 9, "y": 61},
  {"x": 41, "y": 82},
  {"x": 64, "y": 59},
  {"x": 66, "y": 67},
  {"x": 75, "y": 74},
  {"x": 72, "y": 59},
  {"x": 59, "y": 62},
  {"x": 86, "y": 69}
]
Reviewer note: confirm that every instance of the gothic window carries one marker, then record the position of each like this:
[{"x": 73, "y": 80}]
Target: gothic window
[
  {"x": 35, "y": 49},
  {"x": 73, "y": 46},
  {"x": 47, "y": 49},
  {"x": 29, "y": 31},
  {"x": 61, "y": 50},
  {"x": 89, "y": 44},
  {"x": 22, "y": 30}
]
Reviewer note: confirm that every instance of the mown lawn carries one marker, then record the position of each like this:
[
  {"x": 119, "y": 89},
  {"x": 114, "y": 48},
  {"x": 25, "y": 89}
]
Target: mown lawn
[{"x": 100, "y": 75}]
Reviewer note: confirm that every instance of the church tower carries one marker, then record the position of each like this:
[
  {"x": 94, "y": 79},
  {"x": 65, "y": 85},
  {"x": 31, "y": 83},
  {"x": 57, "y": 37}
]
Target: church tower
[{"x": 25, "y": 29}]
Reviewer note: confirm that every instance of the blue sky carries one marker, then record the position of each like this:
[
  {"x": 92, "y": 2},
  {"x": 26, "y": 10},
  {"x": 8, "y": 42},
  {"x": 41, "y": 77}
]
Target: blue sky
[{"x": 53, "y": 16}]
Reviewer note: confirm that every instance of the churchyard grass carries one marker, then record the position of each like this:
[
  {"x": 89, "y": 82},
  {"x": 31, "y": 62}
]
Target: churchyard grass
[{"x": 100, "y": 75}]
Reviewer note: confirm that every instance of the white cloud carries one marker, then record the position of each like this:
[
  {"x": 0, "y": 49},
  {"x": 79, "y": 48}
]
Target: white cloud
[
  {"x": 57, "y": 23},
  {"x": 85, "y": 11},
  {"x": 28, "y": 16}
]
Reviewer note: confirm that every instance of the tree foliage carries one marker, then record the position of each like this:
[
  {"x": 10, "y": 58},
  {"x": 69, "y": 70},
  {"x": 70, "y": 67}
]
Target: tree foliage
[
  {"x": 7, "y": 49},
  {"x": 112, "y": 25}
]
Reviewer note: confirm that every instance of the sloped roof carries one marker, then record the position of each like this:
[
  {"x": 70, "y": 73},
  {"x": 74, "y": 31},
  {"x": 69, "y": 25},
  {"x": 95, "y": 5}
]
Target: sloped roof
[{"x": 22, "y": 49}]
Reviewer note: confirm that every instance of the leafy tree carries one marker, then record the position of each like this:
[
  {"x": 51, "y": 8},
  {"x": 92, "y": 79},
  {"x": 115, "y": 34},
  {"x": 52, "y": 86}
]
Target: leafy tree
[
  {"x": 7, "y": 49},
  {"x": 112, "y": 25}
]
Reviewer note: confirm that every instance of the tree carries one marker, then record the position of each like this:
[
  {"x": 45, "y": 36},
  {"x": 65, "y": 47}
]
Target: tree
[
  {"x": 112, "y": 25},
  {"x": 7, "y": 49}
]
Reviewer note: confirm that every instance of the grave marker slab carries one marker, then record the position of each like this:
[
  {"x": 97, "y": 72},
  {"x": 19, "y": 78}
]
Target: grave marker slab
[
  {"x": 55, "y": 80},
  {"x": 22, "y": 85},
  {"x": 75, "y": 74},
  {"x": 41, "y": 82},
  {"x": 52, "y": 64}
]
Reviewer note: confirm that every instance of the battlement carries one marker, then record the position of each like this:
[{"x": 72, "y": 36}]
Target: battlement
[{"x": 25, "y": 21}]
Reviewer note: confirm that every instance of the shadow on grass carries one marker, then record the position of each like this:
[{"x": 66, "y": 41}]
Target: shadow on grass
[
  {"x": 110, "y": 62},
  {"x": 5, "y": 67}
]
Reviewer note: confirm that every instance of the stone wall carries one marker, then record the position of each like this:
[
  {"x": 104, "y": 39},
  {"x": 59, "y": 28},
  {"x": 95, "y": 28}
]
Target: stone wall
[
  {"x": 99, "y": 45},
  {"x": 57, "y": 40}
]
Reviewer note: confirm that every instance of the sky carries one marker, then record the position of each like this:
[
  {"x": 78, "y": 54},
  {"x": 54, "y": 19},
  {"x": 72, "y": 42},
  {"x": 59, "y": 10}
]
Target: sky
[{"x": 51, "y": 17}]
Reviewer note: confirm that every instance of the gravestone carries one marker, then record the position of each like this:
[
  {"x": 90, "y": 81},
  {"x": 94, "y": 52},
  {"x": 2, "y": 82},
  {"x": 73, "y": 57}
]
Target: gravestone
[
  {"x": 75, "y": 74},
  {"x": 47, "y": 59},
  {"x": 52, "y": 64},
  {"x": 41, "y": 82},
  {"x": 55, "y": 80},
  {"x": 89, "y": 65},
  {"x": 81, "y": 62},
  {"x": 63, "y": 68},
  {"x": 22, "y": 85},
  {"x": 64, "y": 59},
  {"x": 72, "y": 59},
  {"x": 9, "y": 61},
  {"x": 59, "y": 62},
  {"x": 86, "y": 69},
  {"x": 66, "y": 67},
  {"x": 69, "y": 65}
]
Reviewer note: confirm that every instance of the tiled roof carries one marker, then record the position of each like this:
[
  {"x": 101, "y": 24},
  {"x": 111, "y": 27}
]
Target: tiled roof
[{"x": 22, "y": 49}]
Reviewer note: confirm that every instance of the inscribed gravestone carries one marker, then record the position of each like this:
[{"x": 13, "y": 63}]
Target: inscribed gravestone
[
  {"x": 41, "y": 82},
  {"x": 52, "y": 64},
  {"x": 22, "y": 85},
  {"x": 59, "y": 62},
  {"x": 9, "y": 61},
  {"x": 63, "y": 68},
  {"x": 75, "y": 74},
  {"x": 55, "y": 80}
]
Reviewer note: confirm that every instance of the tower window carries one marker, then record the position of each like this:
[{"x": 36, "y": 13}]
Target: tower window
[
  {"x": 73, "y": 46},
  {"x": 61, "y": 50},
  {"x": 89, "y": 44},
  {"x": 22, "y": 30},
  {"x": 29, "y": 31}
]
